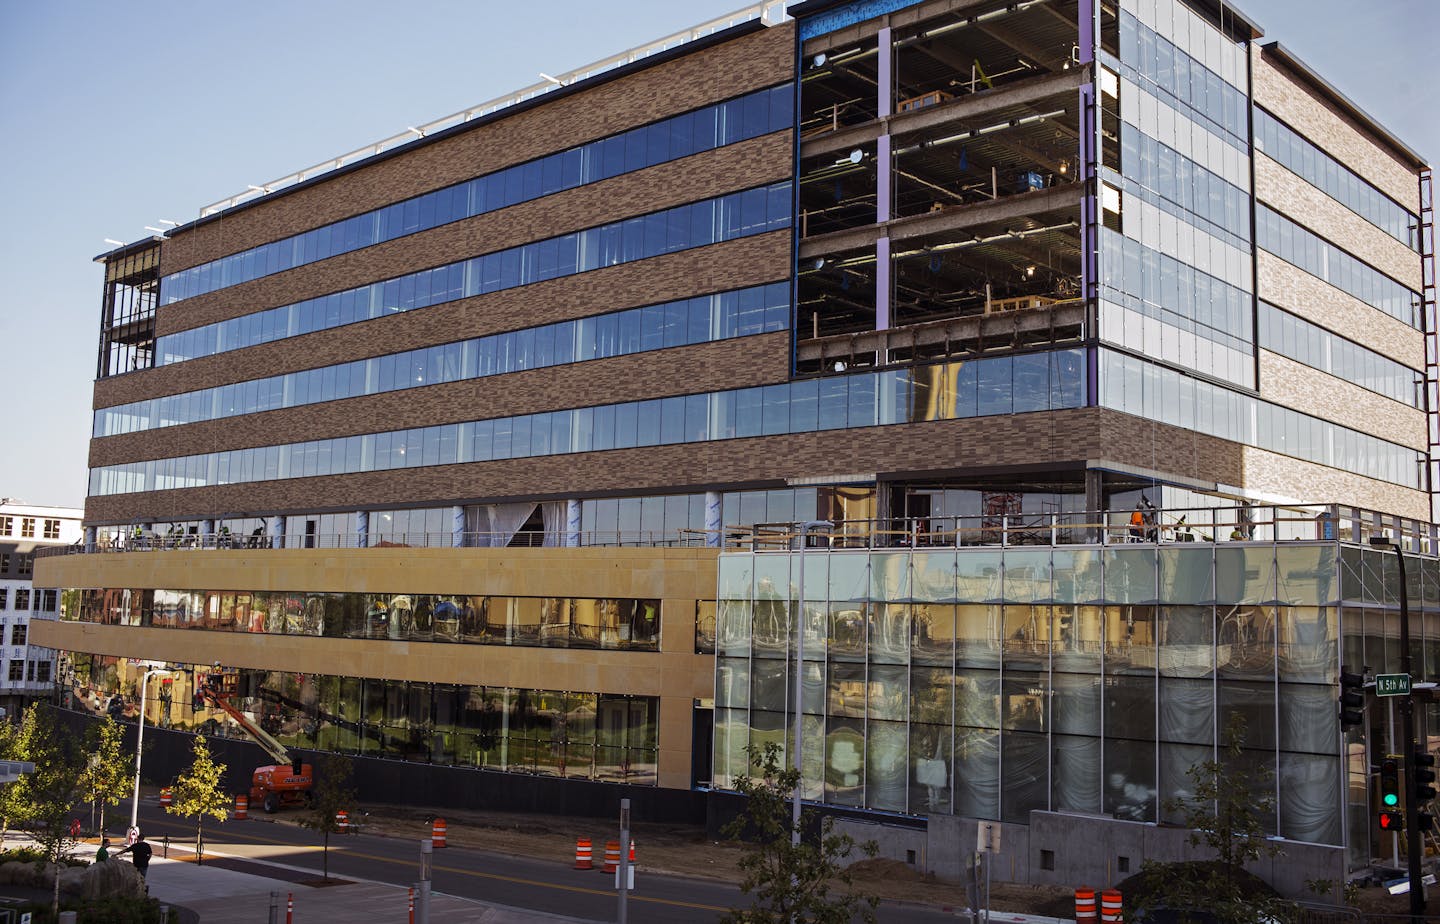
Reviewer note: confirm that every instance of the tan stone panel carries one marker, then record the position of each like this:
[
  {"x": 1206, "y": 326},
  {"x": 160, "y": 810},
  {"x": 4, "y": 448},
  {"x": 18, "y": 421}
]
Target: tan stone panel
[
  {"x": 1317, "y": 301},
  {"x": 703, "y": 176},
  {"x": 1326, "y": 128},
  {"x": 1307, "y": 482},
  {"x": 1305, "y": 204},
  {"x": 647, "y": 572},
  {"x": 718, "y": 267},
  {"x": 750, "y": 62},
  {"x": 1310, "y": 391},
  {"x": 760, "y": 360}
]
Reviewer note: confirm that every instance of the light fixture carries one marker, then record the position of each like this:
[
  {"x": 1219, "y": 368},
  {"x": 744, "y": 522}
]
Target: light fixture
[
  {"x": 819, "y": 60},
  {"x": 840, "y": 365},
  {"x": 555, "y": 80},
  {"x": 856, "y": 156},
  {"x": 411, "y": 128},
  {"x": 111, "y": 240},
  {"x": 819, "y": 263},
  {"x": 166, "y": 221},
  {"x": 156, "y": 230},
  {"x": 1030, "y": 270},
  {"x": 1064, "y": 166}
]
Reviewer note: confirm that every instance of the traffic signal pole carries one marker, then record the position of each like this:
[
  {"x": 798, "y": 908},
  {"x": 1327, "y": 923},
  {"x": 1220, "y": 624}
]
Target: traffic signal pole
[{"x": 1407, "y": 732}]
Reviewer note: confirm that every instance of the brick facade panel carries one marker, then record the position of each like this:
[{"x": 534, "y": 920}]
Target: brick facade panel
[
  {"x": 1305, "y": 481},
  {"x": 1317, "y": 301},
  {"x": 739, "y": 166},
  {"x": 1313, "y": 392},
  {"x": 1335, "y": 133},
  {"x": 749, "y": 62},
  {"x": 1305, "y": 204},
  {"x": 939, "y": 447},
  {"x": 740, "y": 363},
  {"x": 734, "y": 264}
]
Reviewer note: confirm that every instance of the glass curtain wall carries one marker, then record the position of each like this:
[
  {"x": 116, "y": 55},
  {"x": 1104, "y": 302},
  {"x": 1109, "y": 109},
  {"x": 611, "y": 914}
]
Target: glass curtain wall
[{"x": 1087, "y": 679}]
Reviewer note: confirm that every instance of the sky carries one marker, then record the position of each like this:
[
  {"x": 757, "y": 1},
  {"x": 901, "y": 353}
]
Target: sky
[{"x": 119, "y": 115}]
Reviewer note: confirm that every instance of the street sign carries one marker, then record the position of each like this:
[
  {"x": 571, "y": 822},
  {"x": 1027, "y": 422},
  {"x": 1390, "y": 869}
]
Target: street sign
[
  {"x": 1392, "y": 684},
  {"x": 987, "y": 838}
]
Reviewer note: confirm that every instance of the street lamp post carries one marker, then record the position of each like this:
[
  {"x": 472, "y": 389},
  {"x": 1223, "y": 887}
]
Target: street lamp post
[
  {"x": 805, "y": 529},
  {"x": 1407, "y": 732},
  {"x": 140, "y": 741}
]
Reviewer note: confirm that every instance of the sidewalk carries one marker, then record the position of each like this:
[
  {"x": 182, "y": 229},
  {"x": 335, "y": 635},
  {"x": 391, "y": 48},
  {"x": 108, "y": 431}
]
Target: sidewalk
[{"x": 232, "y": 890}]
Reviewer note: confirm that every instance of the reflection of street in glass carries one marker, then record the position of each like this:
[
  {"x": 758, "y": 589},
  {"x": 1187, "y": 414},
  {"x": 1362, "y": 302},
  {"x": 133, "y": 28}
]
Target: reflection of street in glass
[{"x": 1130, "y": 801}]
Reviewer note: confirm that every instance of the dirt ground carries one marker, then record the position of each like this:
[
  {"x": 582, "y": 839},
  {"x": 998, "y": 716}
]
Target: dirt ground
[{"x": 680, "y": 849}]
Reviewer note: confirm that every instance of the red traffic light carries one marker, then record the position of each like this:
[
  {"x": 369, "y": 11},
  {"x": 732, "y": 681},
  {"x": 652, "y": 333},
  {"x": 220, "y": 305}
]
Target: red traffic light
[{"x": 1392, "y": 821}]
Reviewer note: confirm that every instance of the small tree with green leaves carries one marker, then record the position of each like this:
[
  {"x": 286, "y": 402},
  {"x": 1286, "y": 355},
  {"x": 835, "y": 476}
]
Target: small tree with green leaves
[
  {"x": 110, "y": 772},
  {"x": 21, "y": 741},
  {"x": 787, "y": 881},
  {"x": 1226, "y": 813},
  {"x": 51, "y": 793},
  {"x": 199, "y": 792},
  {"x": 329, "y": 794}
]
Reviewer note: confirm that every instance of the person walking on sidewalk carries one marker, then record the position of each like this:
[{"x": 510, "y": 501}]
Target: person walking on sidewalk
[
  {"x": 103, "y": 853},
  {"x": 140, "y": 852}
]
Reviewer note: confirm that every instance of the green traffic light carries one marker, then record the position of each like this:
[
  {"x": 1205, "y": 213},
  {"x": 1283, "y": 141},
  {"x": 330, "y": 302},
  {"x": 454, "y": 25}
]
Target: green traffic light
[{"x": 1392, "y": 799}]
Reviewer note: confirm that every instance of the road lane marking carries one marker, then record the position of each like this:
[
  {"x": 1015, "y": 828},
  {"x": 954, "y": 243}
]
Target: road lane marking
[{"x": 454, "y": 869}]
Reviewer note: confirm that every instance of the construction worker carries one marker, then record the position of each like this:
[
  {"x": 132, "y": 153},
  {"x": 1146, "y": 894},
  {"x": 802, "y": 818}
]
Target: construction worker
[{"x": 1137, "y": 525}]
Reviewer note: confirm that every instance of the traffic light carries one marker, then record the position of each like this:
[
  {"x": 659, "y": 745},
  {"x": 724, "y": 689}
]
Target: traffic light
[
  {"x": 1389, "y": 784},
  {"x": 1352, "y": 699},
  {"x": 1392, "y": 821},
  {"x": 1423, "y": 767}
]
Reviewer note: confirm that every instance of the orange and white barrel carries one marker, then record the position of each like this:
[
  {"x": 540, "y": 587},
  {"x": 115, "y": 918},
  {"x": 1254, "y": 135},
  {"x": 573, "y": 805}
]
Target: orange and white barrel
[
  {"x": 1085, "y": 906},
  {"x": 612, "y": 857},
  {"x": 1111, "y": 907},
  {"x": 342, "y": 821},
  {"x": 583, "y": 857},
  {"x": 167, "y": 797},
  {"x": 242, "y": 807},
  {"x": 437, "y": 833}
]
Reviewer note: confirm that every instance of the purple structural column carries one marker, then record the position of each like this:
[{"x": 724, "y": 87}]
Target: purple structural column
[
  {"x": 1089, "y": 205},
  {"x": 884, "y": 94}
]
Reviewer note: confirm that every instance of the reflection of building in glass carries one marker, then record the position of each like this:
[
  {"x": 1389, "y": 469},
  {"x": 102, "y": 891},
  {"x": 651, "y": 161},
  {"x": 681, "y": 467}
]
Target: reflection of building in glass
[
  {"x": 974, "y": 281},
  {"x": 994, "y": 683}
]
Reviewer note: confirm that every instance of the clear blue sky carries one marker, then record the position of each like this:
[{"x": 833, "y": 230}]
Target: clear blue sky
[{"x": 116, "y": 115}]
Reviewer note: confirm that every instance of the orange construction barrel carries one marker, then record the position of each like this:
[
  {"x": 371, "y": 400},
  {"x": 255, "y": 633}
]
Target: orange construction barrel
[
  {"x": 167, "y": 797},
  {"x": 437, "y": 833},
  {"x": 632, "y": 851},
  {"x": 612, "y": 857},
  {"x": 1110, "y": 907},
  {"x": 583, "y": 859},
  {"x": 342, "y": 821},
  {"x": 1084, "y": 906},
  {"x": 242, "y": 807}
]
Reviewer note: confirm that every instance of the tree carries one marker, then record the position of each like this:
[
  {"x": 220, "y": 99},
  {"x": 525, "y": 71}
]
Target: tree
[
  {"x": 329, "y": 793},
  {"x": 1227, "y": 813},
  {"x": 199, "y": 791},
  {"x": 21, "y": 741},
  {"x": 111, "y": 769},
  {"x": 791, "y": 882},
  {"x": 50, "y": 792}
]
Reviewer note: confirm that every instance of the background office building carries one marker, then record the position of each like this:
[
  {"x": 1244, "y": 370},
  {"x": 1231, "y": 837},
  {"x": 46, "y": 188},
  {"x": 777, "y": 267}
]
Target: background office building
[
  {"x": 28, "y": 670},
  {"x": 437, "y": 451}
]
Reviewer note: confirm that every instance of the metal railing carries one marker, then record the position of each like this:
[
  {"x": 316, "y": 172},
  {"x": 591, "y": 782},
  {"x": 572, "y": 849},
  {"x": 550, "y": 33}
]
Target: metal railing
[{"x": 1101, "y": 527}]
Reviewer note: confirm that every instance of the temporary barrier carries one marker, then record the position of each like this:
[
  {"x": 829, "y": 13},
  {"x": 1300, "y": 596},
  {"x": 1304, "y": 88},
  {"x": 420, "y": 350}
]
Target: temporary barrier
[
  {"x": 242, "y": 807},
  {"x": 1110, "y": 907},
  {"x": 437, "y": 833},
  {"x": 612, "y": 857},
  {"x": 412, "y": 905},
  {"x": 632, "y": 851},
  {"x": 583, "y": 859},
  {"x": 1084, "y": 906},
  {"x": 167, "y": 797},
  {"x": 342, "y": 821},
  {"x": 290, "y": 908}
]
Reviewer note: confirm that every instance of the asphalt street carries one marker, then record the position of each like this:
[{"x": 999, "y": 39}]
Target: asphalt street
[{"x": 285, "y": 851}]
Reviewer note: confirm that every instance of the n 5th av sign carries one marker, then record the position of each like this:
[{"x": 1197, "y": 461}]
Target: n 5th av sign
[{"x": 1392, "y": 684}]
